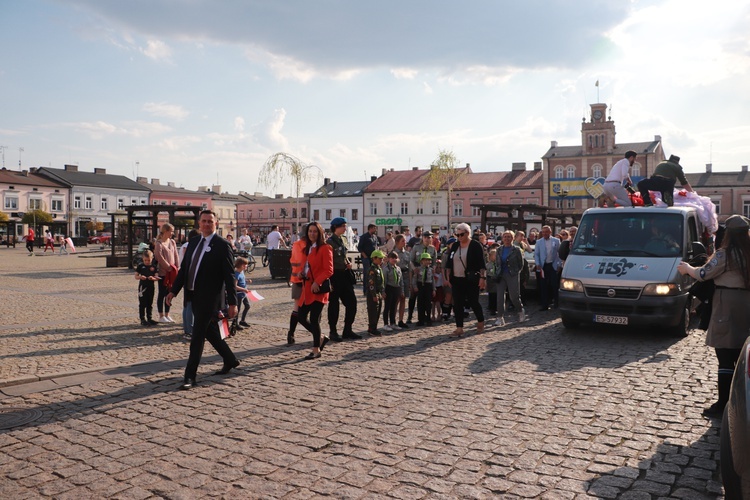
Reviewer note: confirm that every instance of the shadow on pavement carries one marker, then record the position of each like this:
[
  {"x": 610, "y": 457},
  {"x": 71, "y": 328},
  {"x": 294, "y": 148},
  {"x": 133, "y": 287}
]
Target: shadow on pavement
[
  {"x": 554, "y": 350},
  {"x": 674, "y": 471}
]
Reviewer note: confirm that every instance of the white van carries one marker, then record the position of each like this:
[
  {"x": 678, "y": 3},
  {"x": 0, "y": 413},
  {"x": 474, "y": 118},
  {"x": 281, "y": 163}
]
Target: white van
[{"x": 622, "y": 268}]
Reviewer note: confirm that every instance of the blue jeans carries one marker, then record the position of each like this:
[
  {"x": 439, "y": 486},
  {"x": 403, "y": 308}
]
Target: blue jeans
[{"x": 187, "y": 318}]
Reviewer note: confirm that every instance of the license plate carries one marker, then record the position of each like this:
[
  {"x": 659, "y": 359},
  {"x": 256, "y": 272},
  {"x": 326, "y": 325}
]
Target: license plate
[{"x": 611, "y": 320}]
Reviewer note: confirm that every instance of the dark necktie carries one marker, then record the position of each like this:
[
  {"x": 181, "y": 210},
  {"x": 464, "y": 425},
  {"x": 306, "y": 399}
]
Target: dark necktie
[{"x": 194, "y": 264}]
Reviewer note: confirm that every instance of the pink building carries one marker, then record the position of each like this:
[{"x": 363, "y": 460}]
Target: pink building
[
  {"x": 261, "y": 213},
  {"x": 23, "y": 191}
]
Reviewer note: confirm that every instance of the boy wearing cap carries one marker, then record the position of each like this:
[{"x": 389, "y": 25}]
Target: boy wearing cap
[
  {"x": 343, "y": 287},
  {"x": 425, "y": 245},
  {"x": 375, "y": 292},
  {"x": 425, "y": 290},
  {"x": 393, "y": 283}
]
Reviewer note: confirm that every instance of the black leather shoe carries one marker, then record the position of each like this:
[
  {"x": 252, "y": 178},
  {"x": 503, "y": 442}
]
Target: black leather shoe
[
  {"x": 226, "y": 368},
  {"x": 312, "y": 355},
  {"x": 323, "y": 343},
  {"x": 351, "y": 336},
  {"x": 289, "y": 339},
  {"x": 335, "y": 337},
  {"x": 187, "y": 384}
]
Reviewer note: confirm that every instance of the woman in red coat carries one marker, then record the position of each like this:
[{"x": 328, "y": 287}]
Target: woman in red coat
[{"x": 318, "y": 268}]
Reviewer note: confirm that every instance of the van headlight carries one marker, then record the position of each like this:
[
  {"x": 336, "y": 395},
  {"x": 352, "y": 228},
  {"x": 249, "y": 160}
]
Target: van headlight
[
  {"x": 571, "y": 285},
  {"x": 662, "y": 289}
]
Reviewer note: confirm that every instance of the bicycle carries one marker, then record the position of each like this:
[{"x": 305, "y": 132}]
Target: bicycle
[{"x": 250, "y": 259}]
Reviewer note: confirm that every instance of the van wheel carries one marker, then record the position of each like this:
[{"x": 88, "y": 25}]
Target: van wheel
[
  {"x": 683, "y": 328},
  {"x": 568, "y": 323}
]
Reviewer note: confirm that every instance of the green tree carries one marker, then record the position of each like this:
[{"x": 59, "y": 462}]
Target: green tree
[
  {"x": 37, "y": 217},
  {"x": 445, "y": 174},
  {"x": 94, "y": 226},
  {"x": 3, "y": 217},
  {"x": 281, "y": 166}
]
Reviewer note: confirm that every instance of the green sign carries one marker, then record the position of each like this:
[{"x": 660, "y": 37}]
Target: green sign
[{"x": 388, "y": 222}]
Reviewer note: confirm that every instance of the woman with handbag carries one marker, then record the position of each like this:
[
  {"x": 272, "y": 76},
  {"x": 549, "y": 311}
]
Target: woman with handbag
[
  {"x": 508, "y": 266},
  {"x": 316, "y": 285},
  {"x": 168, "y": 258},
  {"x": 466, "y": 273}
]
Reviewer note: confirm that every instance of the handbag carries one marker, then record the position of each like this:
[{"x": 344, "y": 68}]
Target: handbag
[{"x": 325, "y": 287}]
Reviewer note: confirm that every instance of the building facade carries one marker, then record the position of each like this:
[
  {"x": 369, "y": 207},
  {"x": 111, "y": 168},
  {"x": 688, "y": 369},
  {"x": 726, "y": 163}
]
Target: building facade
[
  {"x": 573, "y": 175},
  {"x": 260, "y": 213},
  {"x": 339, "y": 199},
  {"x": 24, "y": 191},
  {"x": 730, "y": 191},
  {"x": 93, "y": 195}
]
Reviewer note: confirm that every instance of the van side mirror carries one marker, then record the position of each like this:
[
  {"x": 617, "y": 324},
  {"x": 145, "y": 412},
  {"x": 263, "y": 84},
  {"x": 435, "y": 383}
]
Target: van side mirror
[{"x": 698, "y": 255}]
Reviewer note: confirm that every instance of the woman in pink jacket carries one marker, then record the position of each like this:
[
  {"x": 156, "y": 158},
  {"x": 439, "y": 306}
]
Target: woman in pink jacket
[{"x": 166, "y": 255}]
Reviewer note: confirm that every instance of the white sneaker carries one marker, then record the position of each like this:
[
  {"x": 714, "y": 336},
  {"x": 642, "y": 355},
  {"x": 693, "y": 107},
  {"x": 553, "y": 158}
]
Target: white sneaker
[
  {"x": 522, "y": 316},
  {"x": 387, "y": 328},
  {"x": 500, "y": 321},
  {"x": 169, "y": 319},
  {"x": 163, "y": 319}
]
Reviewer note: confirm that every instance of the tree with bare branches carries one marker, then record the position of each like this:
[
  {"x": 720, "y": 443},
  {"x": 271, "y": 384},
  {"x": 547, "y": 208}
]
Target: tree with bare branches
[
  {"x": 444, "y": 174},
  {"x": 281, "y": 166}
]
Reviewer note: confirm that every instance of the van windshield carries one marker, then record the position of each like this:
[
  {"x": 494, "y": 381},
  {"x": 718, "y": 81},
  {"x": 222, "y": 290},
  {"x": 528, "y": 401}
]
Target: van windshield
[{"x": 617, "y": 233}]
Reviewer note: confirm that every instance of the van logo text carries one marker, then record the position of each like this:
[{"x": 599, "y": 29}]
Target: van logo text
[{"x": 616, "y": 267}]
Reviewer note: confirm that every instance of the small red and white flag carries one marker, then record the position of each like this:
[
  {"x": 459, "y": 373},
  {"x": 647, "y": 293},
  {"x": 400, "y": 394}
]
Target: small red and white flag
[
  {"x": 254, "y": 296},
  {"x": 224, "y": 328}
]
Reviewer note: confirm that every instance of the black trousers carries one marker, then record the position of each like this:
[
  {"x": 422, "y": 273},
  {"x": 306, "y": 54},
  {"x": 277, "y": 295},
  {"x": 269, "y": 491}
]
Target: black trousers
[
  {"x": 548, "y": 286},
  {"x": 661, "y": 184},
  {"x": 424, "y": 302},
  {"x": 465, "y": 293},
  {"x": 314, "y": 311},
  {"x": 146, "y": 301},
  {"x": 205, "y": 327},
  {"x": 161, "y": 304},
  {"x": 342, "y": 290},
  {"x": 392, "y": 294}
]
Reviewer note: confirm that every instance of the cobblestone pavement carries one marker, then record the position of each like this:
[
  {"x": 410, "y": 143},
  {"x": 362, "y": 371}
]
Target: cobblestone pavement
[{"x": 519, "y": 412}]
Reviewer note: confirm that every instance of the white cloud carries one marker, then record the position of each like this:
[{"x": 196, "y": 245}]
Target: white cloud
[
  {"x": 404, "y": 73},
  {"x": 157, "y": 50},
  {"x": 165, "y": 110},
  {"x": 239, "y": 124},
  {"x": 178, "y": 143},
  {"x": 427, "y": 88},
  {"x": 101, "y": 129},
  {"x": 268, "y": 132}
]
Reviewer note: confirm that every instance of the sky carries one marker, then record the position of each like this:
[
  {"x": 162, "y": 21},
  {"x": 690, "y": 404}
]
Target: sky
[{"x": 202, "y": 92}]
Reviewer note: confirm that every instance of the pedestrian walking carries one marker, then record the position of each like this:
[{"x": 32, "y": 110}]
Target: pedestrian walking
[
  {"x": 240, "y": 287},
  {"x": 187, "y": 306},
  {"x": 30, "y": 241},
  {"x": 466, "y": 273},
  {"x": 206, "y": 280},
  {"x": 507, "y": 275},
  {"x": 49, "y": 241}
]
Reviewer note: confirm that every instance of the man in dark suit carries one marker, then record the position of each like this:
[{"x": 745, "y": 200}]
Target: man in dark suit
[{"x": 207, "y": 274}]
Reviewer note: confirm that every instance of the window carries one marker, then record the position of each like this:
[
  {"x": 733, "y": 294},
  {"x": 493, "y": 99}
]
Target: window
[
  {"x": 342, "y": 212},
  {"x": 558, "y": 172},
  {"x": 294, "y": 213},
  {"x": 373, "y": 208},
  {"x": 204, "y": 206},
  {"x": 304, "y": 212},
  {"x": 57, "y": 205},
  {"x": 388, "y": 208},
  {"x": 328, "y": 214},
  {"x": 404, "y": 208},
  {"x": 420, "y": 208},
  {"x": 11, "y": 202},
  {"x": 134, "y": 201},
  {"x": 316, "y": 214},
  {"x": 89, "y": 203},
  {"x": 105, "y": 204},
  {"x": 716, "y": 200},
  {"x": 144, "y": 201},
  {"x": 272, "y": 213},
  {"x": 355, "y": 214},
  {"x": 77, "y": 201},
  {"x": 570, "y": 203},
  {"x": 635, "y": 170},
  {"x": 746, "y": 208},
  {"x": 596, "y": 171},
  {"x": 458, "y": 208},
  {"x": 571, "y": 171},
  {"x": 242, "y": 214},
  {"x": 120, "y": 203},
  {"x": 189, "y": 204},
  {"x": 260, "y": 213},
  {"x": 35, "y": 204},
  {"x": 435, "y": 207},
  {"x": 174, "y": 203},
  {"x": 475, "y": 212}
]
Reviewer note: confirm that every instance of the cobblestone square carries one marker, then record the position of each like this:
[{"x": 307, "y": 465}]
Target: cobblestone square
[{"x": 525, "y": 411}]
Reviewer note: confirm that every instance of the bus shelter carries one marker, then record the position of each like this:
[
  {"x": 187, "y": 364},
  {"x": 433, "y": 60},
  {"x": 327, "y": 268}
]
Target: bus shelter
[{"x": 138, "y": 224}]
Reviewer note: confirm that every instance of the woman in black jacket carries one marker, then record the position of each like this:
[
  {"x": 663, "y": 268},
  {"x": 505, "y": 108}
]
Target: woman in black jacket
[{"x": 466, "y": 274}]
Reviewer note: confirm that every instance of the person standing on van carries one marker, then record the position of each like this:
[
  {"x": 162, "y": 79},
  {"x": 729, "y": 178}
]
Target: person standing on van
[
  {"x": 547, "y": 260},
  {"x": 729, "y": 267},
  {"x": 618, "y": 178},
  {"x": 665, "y": 177}
]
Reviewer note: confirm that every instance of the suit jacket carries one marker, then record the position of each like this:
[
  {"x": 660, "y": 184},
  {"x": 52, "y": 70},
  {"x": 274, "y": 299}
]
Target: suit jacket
[
  {"x": 540, "y": 253},
  {"x": 320, "y": 261},
  {"x": 515, "y": 261},
  {"x": 215, "y": 276}
]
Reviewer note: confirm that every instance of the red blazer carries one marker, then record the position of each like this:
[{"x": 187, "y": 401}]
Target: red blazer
[{"x": 320, "y": 261}]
